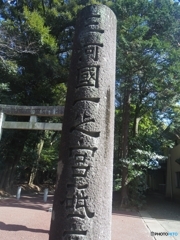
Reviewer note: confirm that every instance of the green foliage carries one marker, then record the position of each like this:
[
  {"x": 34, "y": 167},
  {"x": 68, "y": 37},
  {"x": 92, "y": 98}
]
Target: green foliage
[
  {"x": 37, "y": 24},
  {"x": 35, "y": 50},
  {"x": 33, "y": 69},
  {"x": 148, "y": 70},
  {"x": 137, "y": 191}
]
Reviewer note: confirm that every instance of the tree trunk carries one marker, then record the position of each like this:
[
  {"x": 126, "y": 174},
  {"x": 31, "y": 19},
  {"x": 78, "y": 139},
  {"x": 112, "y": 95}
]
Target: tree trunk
[
  {"x": 124, "y": 189},
  {"x": 124, "y": 150},
  {"x": 35, "y": 167},
  {"x": 11, "y": 167},
  {"x": 3, "y": 177},
  {"x": 13, "y": 170},
  {"x": 136, "y": 121},
  {"x": 17, "y": 144},
  {"x": 6, "y": 184}
]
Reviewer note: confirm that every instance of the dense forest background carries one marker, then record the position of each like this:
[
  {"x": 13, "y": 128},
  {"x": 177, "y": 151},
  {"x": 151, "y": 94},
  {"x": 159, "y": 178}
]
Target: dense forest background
[{"x": 35, "y": 50}]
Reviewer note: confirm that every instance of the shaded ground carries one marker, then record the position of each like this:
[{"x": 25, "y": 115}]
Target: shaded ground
[
  {"x": 25, "y": 219},
  {"x": 160, "y": 207},
  {"x": 29, "y": 219},
  {"x": 128, "y": 226},
  {"x": 162, "y": 217}
]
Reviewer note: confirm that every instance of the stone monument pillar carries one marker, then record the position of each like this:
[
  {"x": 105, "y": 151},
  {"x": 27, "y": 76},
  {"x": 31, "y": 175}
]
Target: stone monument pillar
[{"x": 83, "y": 196}]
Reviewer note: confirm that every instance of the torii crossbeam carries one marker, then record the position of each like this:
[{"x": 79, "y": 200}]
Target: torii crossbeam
[{"x": 33, "y": 112}]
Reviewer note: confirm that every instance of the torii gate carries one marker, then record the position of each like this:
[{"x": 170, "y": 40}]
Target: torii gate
[{"x": 33, "y": 112}]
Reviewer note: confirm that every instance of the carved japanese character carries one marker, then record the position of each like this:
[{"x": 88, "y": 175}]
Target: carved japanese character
[
  {"x": 78, "y": 206},
  {"x": 91, "y": 24},
  {"x": 80, "y": 157},
  {"x": 74, "y": 233},
  {"x": 88, "y": 76},
  {"x": 80, "y": 171},
  {"x": 88, "y": 52}
]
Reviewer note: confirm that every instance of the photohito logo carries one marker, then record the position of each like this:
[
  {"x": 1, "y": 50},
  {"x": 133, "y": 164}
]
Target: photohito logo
[{"x": 170, "y": 234}]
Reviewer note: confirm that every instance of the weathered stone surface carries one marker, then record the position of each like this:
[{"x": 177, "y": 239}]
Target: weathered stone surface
[{"x": 83, "y": 196}]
